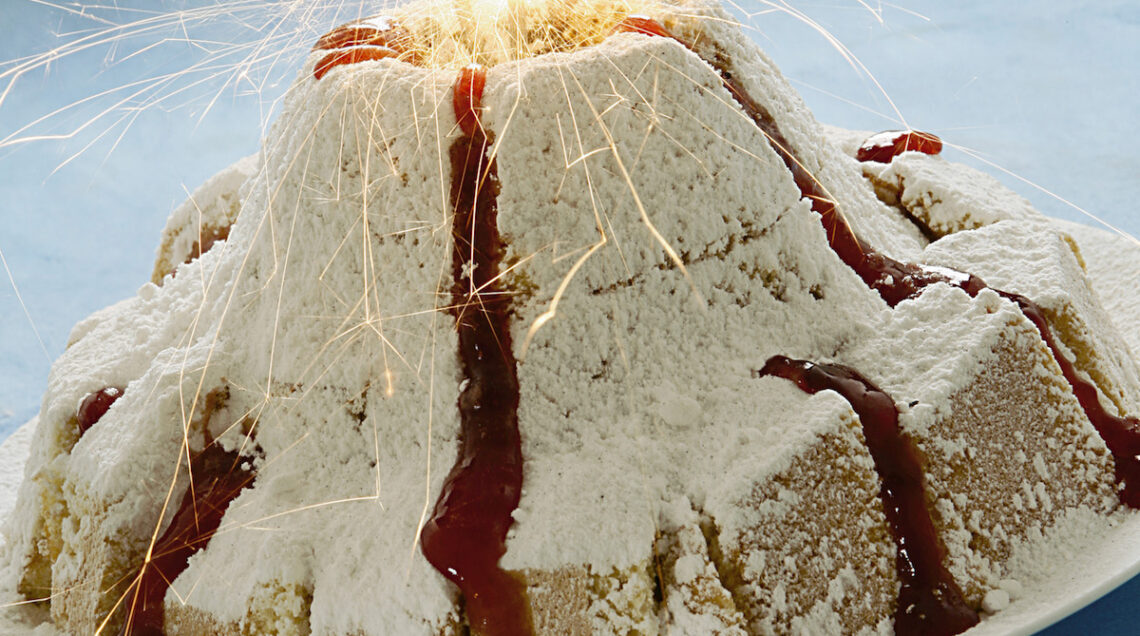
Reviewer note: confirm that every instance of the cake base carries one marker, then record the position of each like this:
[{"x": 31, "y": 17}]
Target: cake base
[{"x": 1105, "y": 551}]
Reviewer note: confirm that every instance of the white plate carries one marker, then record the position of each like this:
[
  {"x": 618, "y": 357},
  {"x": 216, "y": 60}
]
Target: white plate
[
  {"x": 1084, "y": 567},
  {"x": 1103, "y": 563}
]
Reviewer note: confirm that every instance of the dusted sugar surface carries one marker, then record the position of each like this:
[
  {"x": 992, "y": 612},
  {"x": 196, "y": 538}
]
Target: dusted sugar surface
[
  {"x": 657, "y": 252},
  {"x": 1033, "y": 259},
  {"x": 716, "y": 38},
  {"x": 360, "y": 428},
  {"x": 946, "y": 197},
  {"x": 1007, "y": 449},
  {"x": 204, "y": 218},
  {"x": 617, "y": 385}
]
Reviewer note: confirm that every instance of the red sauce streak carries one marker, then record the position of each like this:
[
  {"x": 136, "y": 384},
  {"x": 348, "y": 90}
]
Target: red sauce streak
[
  {"x": 466, "y": 101},
  {"x": 351, "y": 56},
  {"x": 379, "y": 30},
  {"x": 346, "y": 35},
  {"x": 643, "y": 25},
  {"x": 95, "y": 405},
  {"x": 897, "y": 281},
  {"x": 375, "y": 38},
  {"x": 1120, "y": 434},
  {"x": 885, "y": 146},
  {"x": 930, "y": 602},
  {"x": 466, "y": 535},
  {"x": 217, "y": 476}
]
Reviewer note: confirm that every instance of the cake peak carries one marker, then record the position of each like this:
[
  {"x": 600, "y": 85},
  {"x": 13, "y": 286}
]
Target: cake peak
[
  {"x": 359, "y": 327},
  {"x": 451, "y": 34}
]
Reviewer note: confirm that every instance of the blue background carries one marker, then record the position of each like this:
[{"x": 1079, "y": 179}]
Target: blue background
[{"x": 1041, "y": 94}]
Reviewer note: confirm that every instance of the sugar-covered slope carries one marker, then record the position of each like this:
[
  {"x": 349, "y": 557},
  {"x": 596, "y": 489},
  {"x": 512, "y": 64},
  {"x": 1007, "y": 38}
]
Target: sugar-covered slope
[
  {"x": 1112, "y": 271},
  {"x": 989, "y": 97},
  {"x": 1, "y": 246}
]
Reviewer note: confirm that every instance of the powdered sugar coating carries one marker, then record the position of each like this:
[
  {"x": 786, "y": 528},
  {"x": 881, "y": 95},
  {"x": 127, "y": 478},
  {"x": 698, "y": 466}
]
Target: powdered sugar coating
[
  {"x": 1033, "y": 259},
  {"x": 211, "y": 208},
  {"x": 716, "y": 36},
  {"x": 325, "y": 331},
  {"x": 634, "y": 335},
  {"x": 947, "y": 197},
  {"x": 349, "y": 458}
]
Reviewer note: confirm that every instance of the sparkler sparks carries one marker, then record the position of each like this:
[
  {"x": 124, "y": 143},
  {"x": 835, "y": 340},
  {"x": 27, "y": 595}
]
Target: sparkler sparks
[{"x": 265, "y": 43}]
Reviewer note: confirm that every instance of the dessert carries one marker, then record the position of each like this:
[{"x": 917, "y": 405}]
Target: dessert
[{"x": 509, "y": 336}]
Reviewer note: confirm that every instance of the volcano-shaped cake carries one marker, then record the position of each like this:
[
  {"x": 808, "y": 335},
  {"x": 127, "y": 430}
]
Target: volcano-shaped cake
[{"x": 569, "y": 319}]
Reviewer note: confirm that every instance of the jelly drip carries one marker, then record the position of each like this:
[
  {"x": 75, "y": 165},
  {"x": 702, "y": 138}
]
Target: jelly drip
[
  {"x": 466, "y": 534},
  {"x": 95, "y": 405},
  {"x": 896, "y": 281},
  {"x": 885, "y": 146},
  {"x": 930, "y": 601},
  {"x": 217, "y": 476},
  {"x": 351, "y": 56},
  {"x": 1120, "y": 434},
  {"x": 375, "y": 38},
  {"x": 644, "y": 25},
  {"x": 378, "y": 30}
]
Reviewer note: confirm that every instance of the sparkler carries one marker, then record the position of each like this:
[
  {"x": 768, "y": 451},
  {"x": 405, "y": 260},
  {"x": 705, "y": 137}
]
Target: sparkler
[
  {"x": 223, "y": 66},
  {"x": 243, "y": 49}
]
